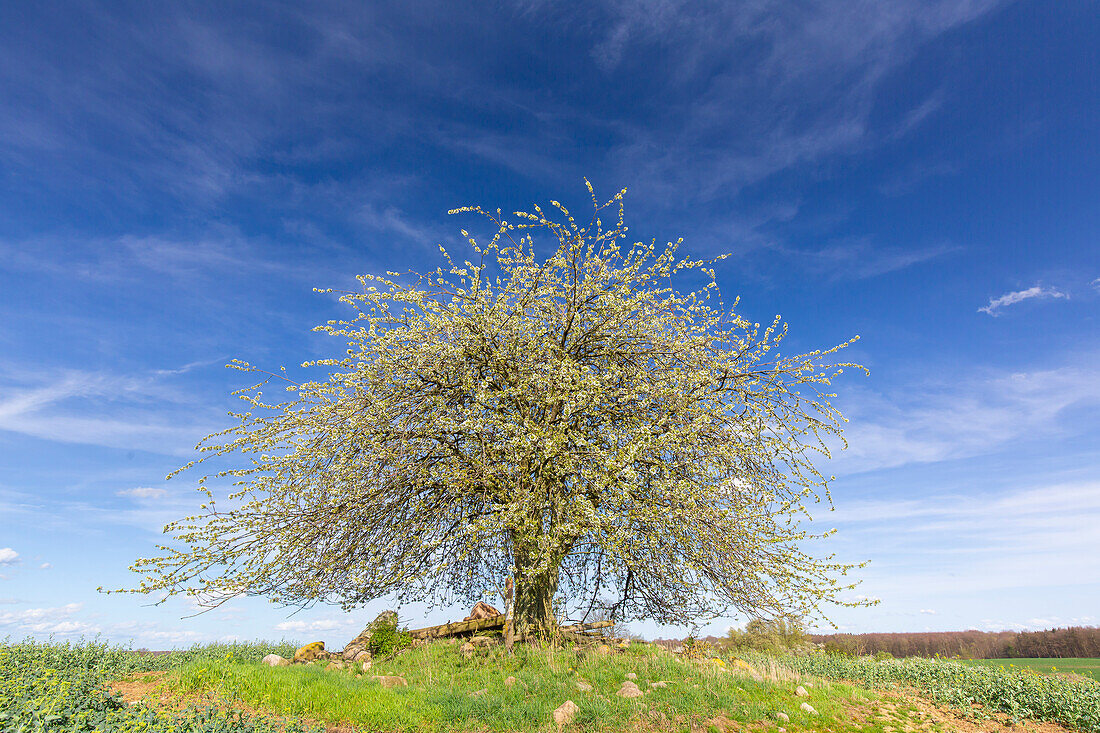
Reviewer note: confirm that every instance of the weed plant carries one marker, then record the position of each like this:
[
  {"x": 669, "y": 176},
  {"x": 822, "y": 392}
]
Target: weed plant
[
  {"x": 58, "y": 688},
  {"x": 1020, "y": 693}
]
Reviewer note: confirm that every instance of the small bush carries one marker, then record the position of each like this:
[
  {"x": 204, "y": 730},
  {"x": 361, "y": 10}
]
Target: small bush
[{"x": 387, "y": 639}]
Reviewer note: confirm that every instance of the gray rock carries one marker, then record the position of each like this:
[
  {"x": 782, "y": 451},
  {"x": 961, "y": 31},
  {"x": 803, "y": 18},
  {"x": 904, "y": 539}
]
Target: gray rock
[
  {"x": 631, "y": 676},
  {"x": 784, "y": 717},
  {"x": 584, "y": 686},
  {"x": 801, "y": 691},
  {"x": 807, "y": 708},
  {"x": 274, "y": 660}
]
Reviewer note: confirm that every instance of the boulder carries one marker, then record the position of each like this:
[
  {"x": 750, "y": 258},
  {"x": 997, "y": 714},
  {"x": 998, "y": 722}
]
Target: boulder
[
  {"x": 482, "y": 610},
  {"x": 389, "y": 681},
  {"x": 565, "y": 714},
  {"x": 274, "y": 660},
  {"x": 310, "y": 653},
  {"x": 357, "y": 649},
  {"x": 807, "y": 708}
]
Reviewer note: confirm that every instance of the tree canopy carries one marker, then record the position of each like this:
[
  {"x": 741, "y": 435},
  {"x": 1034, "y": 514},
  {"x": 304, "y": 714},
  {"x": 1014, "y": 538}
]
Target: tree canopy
[{"x": 573, "y": 421}]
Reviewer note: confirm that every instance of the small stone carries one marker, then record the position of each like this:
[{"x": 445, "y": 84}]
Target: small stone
[
  {"x": 584, "y": 686},
  {"x": 334, "y": 666},
  {"x": 781, "y": 729},
  {"x": 510, "y": 682},
  {"x": 629, "y": 689},
  {"x": 603, "y": 649},
  {"x": 467, "y": 650},
  {"x": 389, "y": 681},
  {"x": 631, "y": 676},
  {"x": 801, "y": 691},
  {"x": 565, "y": 713},
  {"x": 479, "y": 693},
  {"x": 658, "y": 684},
  {"x": 274, "y": 660},
  {"x": 784, "y": 717},
  {"x": 807, "y": 708},
  {"x": 365, "y": 666}
]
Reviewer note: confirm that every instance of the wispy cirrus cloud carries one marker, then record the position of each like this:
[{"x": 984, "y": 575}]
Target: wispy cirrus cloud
[
  {"x": 142, "y": 492},
  {"x": 1038, "y": 535},
  {"x": 999, "y": 303},
  {"x": 969, "y": 416},
  {"x": 98, "y": 408}
]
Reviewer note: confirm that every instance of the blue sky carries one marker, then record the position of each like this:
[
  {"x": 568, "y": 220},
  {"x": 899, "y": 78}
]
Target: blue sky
[{"x": 175, "y": 181}]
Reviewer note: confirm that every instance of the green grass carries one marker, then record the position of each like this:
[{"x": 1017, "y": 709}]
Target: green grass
[
  {"x": 1083, "y": 667},
  {"x": 438, "y": 696}
]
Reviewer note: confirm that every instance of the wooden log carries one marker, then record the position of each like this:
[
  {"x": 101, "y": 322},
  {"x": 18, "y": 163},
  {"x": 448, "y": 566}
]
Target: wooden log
[
  {"x": 458, "y": 627},
  {"x": 493, "y": 622},
  {"x": 588, "y": 626}
]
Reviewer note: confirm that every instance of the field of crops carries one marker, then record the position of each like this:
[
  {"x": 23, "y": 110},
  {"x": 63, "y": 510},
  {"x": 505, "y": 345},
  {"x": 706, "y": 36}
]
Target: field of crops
[
  {"x": 1083, "y": 667},
  {"x": 61, "y": 688},
  {"x": 1018, "y": 692}
]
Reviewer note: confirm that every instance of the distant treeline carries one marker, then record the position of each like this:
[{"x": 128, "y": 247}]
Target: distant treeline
[{"x": 1075, "y": 641}]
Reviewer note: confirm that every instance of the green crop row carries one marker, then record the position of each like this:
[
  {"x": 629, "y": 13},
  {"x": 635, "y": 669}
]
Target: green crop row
[
  {"x": 62, "y": 688},
  {"x": 1019, "y": 693}
]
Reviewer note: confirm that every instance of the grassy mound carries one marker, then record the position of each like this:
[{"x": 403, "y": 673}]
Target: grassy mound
[{"x": 447, "y": 692}]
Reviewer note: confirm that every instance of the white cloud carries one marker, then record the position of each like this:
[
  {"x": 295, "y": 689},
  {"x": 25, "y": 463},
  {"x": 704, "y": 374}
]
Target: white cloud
[
  {"x": 45, "y": 621},
  {"x": 928, "y": 611},
  {"x": 8, "y": 556},
  {"x": 318, "y": 625},
  {"x": 142, "y": 492},
  {"x": 1003, "y": 301},
  {"x": 1096, "y": 283},
  {"x": 45, "y": 566}
]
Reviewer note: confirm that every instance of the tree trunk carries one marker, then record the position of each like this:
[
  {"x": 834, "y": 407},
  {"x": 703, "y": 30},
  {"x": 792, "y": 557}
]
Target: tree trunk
[{"x": 533, "y": 605}]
